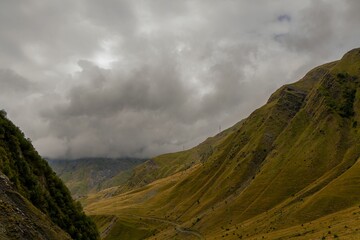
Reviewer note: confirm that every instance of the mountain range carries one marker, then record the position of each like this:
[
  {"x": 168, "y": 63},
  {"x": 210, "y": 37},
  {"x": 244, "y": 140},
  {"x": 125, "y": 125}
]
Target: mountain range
[{"x": 85, "y": 175}]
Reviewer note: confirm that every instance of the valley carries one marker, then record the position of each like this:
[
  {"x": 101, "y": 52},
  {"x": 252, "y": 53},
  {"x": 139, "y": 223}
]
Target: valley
[
  {"x": 289, "y": 170},
  {"x": 180, "y": 120}
]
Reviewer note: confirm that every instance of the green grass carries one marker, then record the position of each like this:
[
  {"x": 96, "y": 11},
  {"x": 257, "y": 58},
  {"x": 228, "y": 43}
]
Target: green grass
[{"x": 118, "y": 227}]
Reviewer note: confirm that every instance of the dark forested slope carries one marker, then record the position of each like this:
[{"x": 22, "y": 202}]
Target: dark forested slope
[{"x": 31, "y": 177}]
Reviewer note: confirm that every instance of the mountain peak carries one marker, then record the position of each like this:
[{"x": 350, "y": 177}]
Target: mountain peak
[
  {"x": 353, "y": 53},
  {"x": 349, "y": 63}
]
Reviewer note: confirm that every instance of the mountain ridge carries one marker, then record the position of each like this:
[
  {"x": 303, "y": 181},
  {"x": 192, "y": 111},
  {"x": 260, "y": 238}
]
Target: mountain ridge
[
  {"x": 85, "y": 175},
  {"x": 291, "y": 162}
]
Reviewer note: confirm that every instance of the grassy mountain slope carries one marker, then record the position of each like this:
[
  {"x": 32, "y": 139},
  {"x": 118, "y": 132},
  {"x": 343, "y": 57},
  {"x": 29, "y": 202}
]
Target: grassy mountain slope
[
  {"x": 171, "y": 163},
  {"x": 289, "y": 168},
  {"x": 86, "y": 175},
  {"x": 32, "y": 177}
]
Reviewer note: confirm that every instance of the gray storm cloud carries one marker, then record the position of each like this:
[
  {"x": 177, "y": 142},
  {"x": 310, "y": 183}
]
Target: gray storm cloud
[{"x": 140, "y": 78}]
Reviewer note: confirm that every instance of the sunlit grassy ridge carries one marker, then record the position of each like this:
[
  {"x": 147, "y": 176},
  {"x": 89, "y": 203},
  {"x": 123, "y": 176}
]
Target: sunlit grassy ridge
[{"x": 292, "y": 166}]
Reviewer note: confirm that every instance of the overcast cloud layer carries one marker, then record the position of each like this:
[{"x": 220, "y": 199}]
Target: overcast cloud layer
[{"x": 140, "y": 78}]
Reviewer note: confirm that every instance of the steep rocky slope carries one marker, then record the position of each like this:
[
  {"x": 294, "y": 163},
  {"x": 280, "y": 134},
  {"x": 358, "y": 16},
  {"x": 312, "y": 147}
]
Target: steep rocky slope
[
  {"x": 287, "y": 170},
  {"x": 19, "y": 220},
  {"x": 35, "y": 187}
]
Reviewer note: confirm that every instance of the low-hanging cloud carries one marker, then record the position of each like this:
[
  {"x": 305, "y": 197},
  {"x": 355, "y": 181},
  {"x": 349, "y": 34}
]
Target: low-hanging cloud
[{"x": 140, "y": 78}]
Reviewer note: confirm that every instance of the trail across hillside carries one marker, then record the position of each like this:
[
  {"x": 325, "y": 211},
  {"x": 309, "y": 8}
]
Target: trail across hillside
[
  {"x": 108, "y": 229},
  {"x": 177, "y": 226}
]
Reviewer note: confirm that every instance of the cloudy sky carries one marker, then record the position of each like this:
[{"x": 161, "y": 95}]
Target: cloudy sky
[{"x": 143, "y": 77}]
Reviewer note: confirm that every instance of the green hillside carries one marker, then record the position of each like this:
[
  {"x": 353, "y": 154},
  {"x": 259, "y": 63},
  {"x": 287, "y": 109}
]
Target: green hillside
[
  {"x": 86, "y": 175},
  {"x": 171, "y": 163},
  {"x": 291, "y": 169},
  {"x": 32, "y": 178}
]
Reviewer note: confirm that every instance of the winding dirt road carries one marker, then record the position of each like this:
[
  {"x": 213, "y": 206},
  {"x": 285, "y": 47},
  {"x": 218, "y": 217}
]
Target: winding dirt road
[{"x": 177, "y": 226}]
